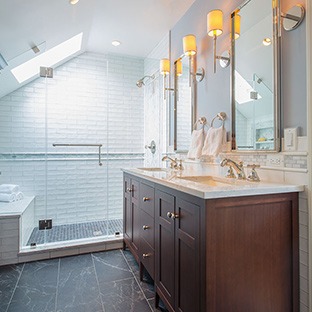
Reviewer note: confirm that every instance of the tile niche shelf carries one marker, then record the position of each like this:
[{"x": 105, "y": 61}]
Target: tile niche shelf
[{"x": 267, "y": 132}]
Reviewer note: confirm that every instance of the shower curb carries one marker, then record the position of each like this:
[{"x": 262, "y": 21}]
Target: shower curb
[{"x": 43, "y": 254}]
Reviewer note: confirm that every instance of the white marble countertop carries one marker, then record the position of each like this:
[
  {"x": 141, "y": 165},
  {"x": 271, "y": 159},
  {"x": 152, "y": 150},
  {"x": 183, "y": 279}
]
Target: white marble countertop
[{"x": 215, "y": 187}]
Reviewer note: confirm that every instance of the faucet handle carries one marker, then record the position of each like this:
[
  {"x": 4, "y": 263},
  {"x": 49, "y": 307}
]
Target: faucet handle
[
  {"x": 230, "y": 173},
  {"x": 253, "y": 176}
]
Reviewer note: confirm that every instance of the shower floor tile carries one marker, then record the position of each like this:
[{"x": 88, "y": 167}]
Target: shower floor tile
[{"x": 67, "y": 232}]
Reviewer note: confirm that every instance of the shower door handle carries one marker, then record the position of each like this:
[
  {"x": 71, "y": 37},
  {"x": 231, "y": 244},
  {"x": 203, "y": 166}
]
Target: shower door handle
[{"x": 76, "y": 145}]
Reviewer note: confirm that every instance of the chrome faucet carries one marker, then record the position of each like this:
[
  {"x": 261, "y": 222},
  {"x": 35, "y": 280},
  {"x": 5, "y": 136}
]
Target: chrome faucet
[
  {"x": 237, "y": 166},
  {"x": 174, "y": 163}
]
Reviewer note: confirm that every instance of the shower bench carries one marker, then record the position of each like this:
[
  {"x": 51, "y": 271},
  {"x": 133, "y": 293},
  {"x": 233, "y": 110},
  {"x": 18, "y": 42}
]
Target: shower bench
[{"x": 16, "y": 225}]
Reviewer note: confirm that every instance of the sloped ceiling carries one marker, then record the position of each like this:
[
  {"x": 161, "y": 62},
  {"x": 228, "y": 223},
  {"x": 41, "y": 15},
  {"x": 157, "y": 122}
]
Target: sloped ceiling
[{"x": 138, "y": 24}]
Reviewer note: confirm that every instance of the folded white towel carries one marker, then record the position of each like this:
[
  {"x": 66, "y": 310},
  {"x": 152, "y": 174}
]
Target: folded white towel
[
  {"x": 8, "y": 198},
  {"x": 9, "y": 188},
  {"x": 197, "y": 143},
  {"x": 215, "y": 138},
  {"x": 19, "y": 196}
]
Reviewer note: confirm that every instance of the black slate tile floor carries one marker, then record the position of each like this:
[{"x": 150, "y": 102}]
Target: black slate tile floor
[{"x": 96, "y": 282}]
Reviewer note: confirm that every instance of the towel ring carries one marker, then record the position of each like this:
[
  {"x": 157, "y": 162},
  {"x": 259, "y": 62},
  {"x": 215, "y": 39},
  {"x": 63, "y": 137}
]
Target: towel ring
[
  {"x": 221, "y": 116},
  {"x": 201, "y": 121}
]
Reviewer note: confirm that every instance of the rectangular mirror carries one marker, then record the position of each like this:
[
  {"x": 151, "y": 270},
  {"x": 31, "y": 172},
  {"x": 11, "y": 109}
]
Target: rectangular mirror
[
  {"x": 183, "y": 104},
  {"x": 255, "y": 76}
]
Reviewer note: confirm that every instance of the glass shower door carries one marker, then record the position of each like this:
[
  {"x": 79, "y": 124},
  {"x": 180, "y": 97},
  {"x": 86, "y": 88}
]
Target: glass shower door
[{"x": 77, "y": 165}]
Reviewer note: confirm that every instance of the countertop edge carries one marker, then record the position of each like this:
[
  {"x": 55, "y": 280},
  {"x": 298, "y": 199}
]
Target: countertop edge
[{"x": 237, "y": 191}]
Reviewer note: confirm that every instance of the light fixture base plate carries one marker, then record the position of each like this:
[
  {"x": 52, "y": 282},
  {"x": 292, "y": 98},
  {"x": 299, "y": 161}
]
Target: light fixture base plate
[
  {"x": 200, "y": 74},
  {"x": 224, "y": 59}
]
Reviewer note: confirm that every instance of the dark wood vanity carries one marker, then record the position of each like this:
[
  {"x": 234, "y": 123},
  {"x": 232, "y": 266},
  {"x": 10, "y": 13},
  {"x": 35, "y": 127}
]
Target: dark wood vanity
[{"x": 219, "y": 255}]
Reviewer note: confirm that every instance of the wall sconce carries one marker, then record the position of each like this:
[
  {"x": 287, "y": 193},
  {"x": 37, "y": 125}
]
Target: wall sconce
[
  {"x": 215, "y": 29},
  {"x": 293, "y": 18},
  {"x": 189, "y": 45},
  {"x": 190, "y": 50},
  {"x": 165, "y": 71}
]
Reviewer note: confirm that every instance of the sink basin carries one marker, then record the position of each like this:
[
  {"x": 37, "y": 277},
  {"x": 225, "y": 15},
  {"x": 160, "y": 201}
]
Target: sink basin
[
  {"x": 207, "y": 180},
  {"x": 153, "y": 169}
]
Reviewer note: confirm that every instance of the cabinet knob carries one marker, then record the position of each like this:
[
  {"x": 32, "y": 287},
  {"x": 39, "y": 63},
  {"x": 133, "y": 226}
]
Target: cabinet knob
[
  {"x": 129, "y": 190},
  {"x": 146, "y": 255},
  {"x": 171, "y": 215},
  {"x": 145, "y": 227},
  {"x": 145, "y": 199}
]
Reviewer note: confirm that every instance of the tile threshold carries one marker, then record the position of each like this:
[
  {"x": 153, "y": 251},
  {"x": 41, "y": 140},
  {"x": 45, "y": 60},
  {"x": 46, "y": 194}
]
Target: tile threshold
[{"x": 70, "y": 244}]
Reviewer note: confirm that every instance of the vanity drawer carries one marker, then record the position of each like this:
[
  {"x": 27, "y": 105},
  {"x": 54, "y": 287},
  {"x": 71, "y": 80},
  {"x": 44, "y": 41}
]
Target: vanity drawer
[
  {"x": 147, "y": 230},
  {"x": 147, "y": 257},
  {"x": 147, "y": 195}
]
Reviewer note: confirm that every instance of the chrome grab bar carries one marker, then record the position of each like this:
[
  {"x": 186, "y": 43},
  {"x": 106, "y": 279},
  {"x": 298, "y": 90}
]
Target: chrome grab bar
[{"x": 98, "y": 145}]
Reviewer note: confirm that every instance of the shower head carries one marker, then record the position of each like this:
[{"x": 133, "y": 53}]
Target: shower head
[{"x": 141, "y": 83}]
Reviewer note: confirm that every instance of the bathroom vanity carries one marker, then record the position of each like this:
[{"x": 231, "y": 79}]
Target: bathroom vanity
[{"x": 214, "y": 244}]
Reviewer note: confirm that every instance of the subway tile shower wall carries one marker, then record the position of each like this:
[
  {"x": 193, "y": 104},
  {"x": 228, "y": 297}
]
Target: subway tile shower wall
[{"x": 92, "y": 99}]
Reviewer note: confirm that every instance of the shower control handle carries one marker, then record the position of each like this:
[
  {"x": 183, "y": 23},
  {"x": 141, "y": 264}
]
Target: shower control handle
[{"x": 152, "y": 147}]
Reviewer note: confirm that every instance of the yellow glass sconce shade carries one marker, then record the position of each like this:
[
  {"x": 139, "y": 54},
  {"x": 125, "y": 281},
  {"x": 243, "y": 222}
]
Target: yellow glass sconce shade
[
  {"x": 215, "y": 23},
  {"x": 237, "y": 22},
  {"x": 165, "y": 71},
  {"x": 189, "y": 45},
  {"x": 179, "y": 68},
  {"x": 165, "y": 66}
]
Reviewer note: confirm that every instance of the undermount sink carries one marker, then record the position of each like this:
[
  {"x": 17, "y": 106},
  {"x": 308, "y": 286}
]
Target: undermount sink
[
  {"x": 153, "y": 169},
  {"x": 207, "y": 180}
]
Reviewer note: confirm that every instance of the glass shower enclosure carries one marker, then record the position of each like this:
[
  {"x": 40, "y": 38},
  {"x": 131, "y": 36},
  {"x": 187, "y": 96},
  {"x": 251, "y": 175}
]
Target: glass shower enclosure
[{"x": 67, "y": 138}]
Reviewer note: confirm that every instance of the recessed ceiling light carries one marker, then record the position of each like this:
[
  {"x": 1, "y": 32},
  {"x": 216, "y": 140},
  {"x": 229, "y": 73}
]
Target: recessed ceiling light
[
  {"x": 267, "y": 41},
  {"x": 116, "y": 43},
  {"x": 73, "y": 1}
]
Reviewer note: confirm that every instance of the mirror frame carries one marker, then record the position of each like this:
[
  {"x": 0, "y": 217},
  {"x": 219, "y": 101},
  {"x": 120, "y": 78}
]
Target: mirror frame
[
  {"x": 193, "y": 83},
  {"x": 276, "y": 75}
]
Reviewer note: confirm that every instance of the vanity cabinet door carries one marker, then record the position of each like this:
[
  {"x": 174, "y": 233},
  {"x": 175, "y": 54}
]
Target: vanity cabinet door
[
  {"x": 187, "y": 263},
  {"x": 127, "y": 218},
  {"x": 177, "y": 252},
  {"x": 135, "y": 215},
  {"x": 164, "y": 247},
  {"x": 252, "y": 254},
  {"x": 131, "y": 214}
]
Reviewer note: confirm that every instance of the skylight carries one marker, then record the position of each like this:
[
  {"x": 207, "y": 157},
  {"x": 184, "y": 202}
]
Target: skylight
[
  {"x": 244, "y": 92},
  {"x": 47, "y": 59}
]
